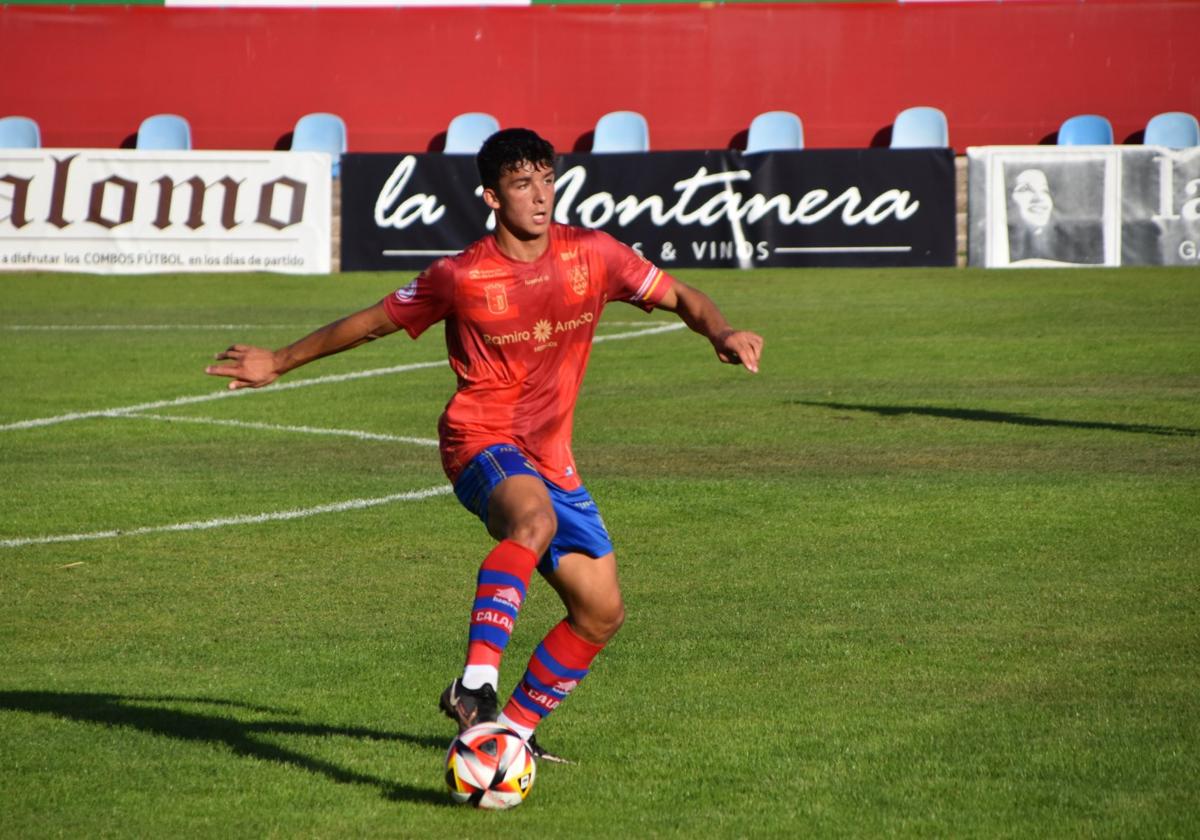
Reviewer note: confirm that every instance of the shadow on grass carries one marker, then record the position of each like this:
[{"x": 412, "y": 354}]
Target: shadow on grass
[
  {"x": 982, "y": 416},
  {"x": 145, "y": 714}
]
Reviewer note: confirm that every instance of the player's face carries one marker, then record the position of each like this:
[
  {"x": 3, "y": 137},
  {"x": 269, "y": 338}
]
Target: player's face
[
  {"x": 524, "y": 201},
  {"x": 1032, "y": 196}
]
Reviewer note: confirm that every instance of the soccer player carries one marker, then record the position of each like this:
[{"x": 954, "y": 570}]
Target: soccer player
[{"x": 520, "y": 308}]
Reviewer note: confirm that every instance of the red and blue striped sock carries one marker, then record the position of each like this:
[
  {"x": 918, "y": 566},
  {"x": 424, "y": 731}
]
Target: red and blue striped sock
[
  {"x": 555, "y": 669},
  {"x": 499, "y": 592}
]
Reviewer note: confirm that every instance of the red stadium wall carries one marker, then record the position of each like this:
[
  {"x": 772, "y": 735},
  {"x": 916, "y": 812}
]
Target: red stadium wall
[{"x": 1003, "y": 72}]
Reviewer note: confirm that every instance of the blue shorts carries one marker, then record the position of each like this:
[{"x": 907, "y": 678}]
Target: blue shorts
[{"x": 580, "y": 528}]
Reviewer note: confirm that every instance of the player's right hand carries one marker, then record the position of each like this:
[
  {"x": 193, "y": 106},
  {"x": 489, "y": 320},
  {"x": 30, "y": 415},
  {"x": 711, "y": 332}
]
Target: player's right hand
[
  {"x": 253, "y": 367},
  {"x": 739, "y": 347}
]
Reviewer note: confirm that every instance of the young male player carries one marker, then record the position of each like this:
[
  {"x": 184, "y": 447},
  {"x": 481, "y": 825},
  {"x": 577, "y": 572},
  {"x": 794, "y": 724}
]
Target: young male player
[{"x": 520, "y": 308}]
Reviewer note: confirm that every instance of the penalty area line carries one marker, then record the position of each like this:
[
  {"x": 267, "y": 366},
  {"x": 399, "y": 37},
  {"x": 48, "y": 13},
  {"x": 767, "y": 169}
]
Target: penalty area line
[
  {"x": 216, "y": 395},
  {"x": 665, "y": 328},
  {"x": 229, "y": 521},
  {"x": 276, "y": 387},
  {"x": 275, "y": 427}
]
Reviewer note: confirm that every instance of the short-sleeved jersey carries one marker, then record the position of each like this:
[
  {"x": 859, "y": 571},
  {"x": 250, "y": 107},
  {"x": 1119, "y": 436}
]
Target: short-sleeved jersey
[{"x": 519, "y": 335}]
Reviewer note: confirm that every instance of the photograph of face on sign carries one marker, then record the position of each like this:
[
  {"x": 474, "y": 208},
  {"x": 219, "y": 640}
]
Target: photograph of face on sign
[
  {"x": 1039, "y": 228},
  {"x": 1055, "y": 212},
  {"x": 1050, "y": 207}
]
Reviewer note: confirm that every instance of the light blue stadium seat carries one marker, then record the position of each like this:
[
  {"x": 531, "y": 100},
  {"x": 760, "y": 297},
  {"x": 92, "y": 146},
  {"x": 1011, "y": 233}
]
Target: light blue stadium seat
[
  {"x": 1174, "y": 129},
  {"x": 621, "y": 131},
  {"x": 775, "y": 131},
  {"x": 321, "y": 132},
  {"x": 20, "y": 133},
  {"x": 467, "y": 132},
  {"x": 920, "y": 127},
  {"x": 164, "y": 132},
  {"x": 1086, "y": 130}
]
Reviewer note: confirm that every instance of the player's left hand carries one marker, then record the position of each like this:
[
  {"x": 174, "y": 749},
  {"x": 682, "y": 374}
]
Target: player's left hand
[{"x": 739, "y": 347}]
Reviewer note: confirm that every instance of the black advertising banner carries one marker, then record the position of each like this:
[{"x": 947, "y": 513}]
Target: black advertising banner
[
  {"x": 820, "y": 207},
  {"x": 1083, "y": 205}
]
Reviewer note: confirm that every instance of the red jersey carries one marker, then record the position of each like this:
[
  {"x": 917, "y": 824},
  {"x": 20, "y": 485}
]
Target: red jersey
[{"x": 519, "y": 335}]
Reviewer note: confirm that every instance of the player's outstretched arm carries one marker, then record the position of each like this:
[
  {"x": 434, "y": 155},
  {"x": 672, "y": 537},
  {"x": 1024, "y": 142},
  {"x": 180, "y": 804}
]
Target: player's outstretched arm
[
  {"x": 734, "y": 347},
  {"x": 254, "y": 367}
]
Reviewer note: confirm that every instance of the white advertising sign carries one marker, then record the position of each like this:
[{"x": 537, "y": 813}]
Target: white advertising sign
[
  {"x": 118, "y": 211},
  {"x": 1083, "y": 205}
]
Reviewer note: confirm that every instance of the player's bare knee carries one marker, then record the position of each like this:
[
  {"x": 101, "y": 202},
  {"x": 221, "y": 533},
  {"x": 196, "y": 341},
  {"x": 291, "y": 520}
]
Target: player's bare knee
[
  {"x": 615, "y": 618},
  {"x": 534, "y": 528},
  {"x": 599, "y": 623}
]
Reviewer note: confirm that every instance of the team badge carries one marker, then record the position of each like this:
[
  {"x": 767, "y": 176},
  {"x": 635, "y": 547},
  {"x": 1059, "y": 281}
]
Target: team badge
[
  {"x": 579, "y": 279},
  {"x": 497, "y": 298}
]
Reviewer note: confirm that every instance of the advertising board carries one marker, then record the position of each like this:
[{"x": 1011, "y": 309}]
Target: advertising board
[
  {"x": 1083, "y": 205},
  {"x": 136, "y": 212},
  {"x": 687, "y": 209}
]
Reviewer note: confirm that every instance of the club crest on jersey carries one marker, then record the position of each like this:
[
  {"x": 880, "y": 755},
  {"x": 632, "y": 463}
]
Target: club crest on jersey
[
  {"x": 579, "y": 279},
  {"x": 497, "y": 298}
]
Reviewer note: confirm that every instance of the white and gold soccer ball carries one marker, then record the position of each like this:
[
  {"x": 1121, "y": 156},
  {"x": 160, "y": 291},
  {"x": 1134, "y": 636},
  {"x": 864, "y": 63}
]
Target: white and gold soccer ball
[{"x": 489, "y": 766}]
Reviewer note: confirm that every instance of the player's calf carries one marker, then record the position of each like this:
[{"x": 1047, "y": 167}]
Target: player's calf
[{"x": 556, "y": 668}]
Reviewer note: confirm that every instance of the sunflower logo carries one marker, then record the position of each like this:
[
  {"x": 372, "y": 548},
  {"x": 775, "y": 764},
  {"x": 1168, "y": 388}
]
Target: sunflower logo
[{"x": 541, "y": 330}]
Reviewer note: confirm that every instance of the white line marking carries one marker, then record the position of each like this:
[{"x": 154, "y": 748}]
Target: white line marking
[
  {"x": 216, "y": 395},
  {"x": 137, "y": 412},
  {"x": 223, "y": 522},
  {"x": 665, "y": 328},
  {"x": 273, "y": 427},
  {"x": 848, "y": 249},
  {"x": 145, "y": 327},
  {"x": 170, "y": 327},
  {"x": 278, "y": 386}
]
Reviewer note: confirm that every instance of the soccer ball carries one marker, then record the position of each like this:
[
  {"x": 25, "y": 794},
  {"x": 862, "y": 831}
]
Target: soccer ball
[{"x": 489, "y": 766}]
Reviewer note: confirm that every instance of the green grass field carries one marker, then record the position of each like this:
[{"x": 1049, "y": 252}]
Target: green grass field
[{"x": 934, "y": 572}]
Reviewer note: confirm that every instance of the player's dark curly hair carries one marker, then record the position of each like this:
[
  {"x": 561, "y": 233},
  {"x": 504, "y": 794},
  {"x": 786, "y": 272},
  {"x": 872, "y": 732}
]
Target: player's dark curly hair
[{"x": 507, "y": 150}]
